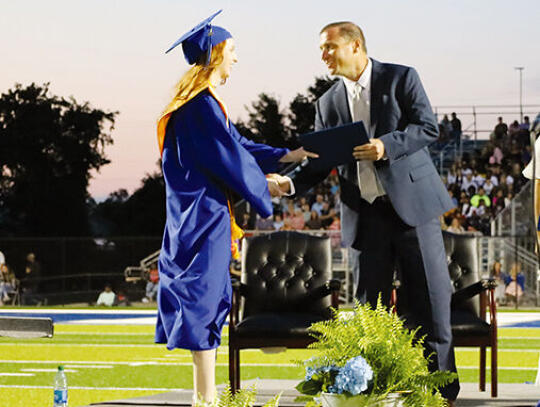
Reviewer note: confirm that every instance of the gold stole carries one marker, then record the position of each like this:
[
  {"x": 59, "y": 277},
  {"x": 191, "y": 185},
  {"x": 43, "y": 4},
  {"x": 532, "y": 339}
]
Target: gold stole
[{"x": 236, "y": 232}]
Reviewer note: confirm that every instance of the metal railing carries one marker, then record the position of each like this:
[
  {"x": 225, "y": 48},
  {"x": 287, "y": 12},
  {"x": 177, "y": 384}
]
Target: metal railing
[
  {"x": 485, "y": 115},
  {"x": 516, "y": 218}
]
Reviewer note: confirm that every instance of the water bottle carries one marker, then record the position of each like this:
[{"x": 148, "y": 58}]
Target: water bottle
[{"x": 60, "y": 388}]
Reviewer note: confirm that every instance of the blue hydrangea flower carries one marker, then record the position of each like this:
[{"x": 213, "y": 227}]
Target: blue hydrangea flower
[
  {"x": 310, "y": 371},
  {"x": 353, "y": 377}
]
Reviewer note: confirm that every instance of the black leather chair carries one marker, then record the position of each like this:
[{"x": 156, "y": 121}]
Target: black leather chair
[
  {"x": 472, "y": 297},
  {"x": 286, "y": 285}
]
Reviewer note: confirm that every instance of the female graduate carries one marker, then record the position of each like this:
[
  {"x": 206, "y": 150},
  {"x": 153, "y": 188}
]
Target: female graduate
[{"x": 203, "y": 159}]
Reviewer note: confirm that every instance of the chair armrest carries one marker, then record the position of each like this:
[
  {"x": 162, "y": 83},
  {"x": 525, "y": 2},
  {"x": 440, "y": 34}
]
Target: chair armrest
[
  {"x": 472, "y": 290},
  {"x": 331, "y": 287},
  {"x": 235, "y": 304}
]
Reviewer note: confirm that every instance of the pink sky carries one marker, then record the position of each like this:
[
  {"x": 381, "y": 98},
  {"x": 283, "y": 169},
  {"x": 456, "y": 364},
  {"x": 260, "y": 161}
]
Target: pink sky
[{"x": 111, "y": 53}]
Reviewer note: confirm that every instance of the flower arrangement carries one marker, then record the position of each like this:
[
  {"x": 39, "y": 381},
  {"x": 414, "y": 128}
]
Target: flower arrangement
[{"x": 368, "y": 354}]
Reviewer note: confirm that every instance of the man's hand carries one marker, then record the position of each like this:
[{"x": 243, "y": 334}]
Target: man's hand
[
  {"x": 273, "y": 187},
  {"x": 372, "y": 151},
  {"x": 283, "y": 182},
  {"x": 297, "y": 155}
]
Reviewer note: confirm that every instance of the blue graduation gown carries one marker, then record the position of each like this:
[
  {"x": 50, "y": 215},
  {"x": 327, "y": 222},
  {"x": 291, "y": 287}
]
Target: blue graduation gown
[{"x": 203, "y": 156}]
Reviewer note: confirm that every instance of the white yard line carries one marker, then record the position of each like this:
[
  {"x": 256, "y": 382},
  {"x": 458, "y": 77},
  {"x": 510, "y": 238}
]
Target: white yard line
[
  {"x": 48, "y": 370},
  {"x": 17, "y": 374},
  {"x": 89, "y": 366},
  {"x": 520, "y": 337},
  {"x": 4, "y": 386},
  {"x": 77, "y": 311},
  {"x": 104, "y": 333}
]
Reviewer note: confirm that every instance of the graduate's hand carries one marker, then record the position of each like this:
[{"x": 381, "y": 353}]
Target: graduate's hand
[
  {"x": 283, "y": 182},
  {"x": 297, "y": 155},
  {"x": 273, "y": 187},
  {"x": 372, "y": 151}
]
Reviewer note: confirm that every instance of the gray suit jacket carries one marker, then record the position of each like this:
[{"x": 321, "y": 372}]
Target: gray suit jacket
[{"x": 402, "y": 118}]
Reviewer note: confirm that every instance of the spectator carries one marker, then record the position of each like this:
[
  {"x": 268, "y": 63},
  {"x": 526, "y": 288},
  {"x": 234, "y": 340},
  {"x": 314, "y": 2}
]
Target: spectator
[
  {"x": 31, "y": 282},
  {"x": 481, "y": 210},
  {"x": 452, "y": 197},
  {"x": 513, "y": 130},
  {"x": 297, "y": 221},
  {"x": 106, "y": 297},
  {"x": 488, "y": 186},
  {"x": 492, "y": 176},
  {"x": 314, "y": 223},
  {"x": 264, "y": 223},
  {"x": 526, "y": 125},
  {"x": 468, "y": 182},
  {"x": 454, "y": 176},
  {"x": 152, "y": 285},
  {"x": 500, "y": 129},
  {"x": 8, "y": 283},
  {"x": 306, "y": 213},
  {"x": 287, "y": 224},
  {"x": 2, "y": 259},
  {"x": 508, "y": 179},
  {"x": 318, "y": 204},
  {"x": 518, "y": 179},
  {"x": 497, "y": 156},
  {"x": 526, "y": 155},
  {"x": 335, "y": 227},
  {"x": 456, "y": 129},
  {"x": 290, "y": 209},
  {"x": 445, "y": 127},
  {"x": 480, "y": 196},
  {"x": 508, "y": 199},
  {"x": 278, "y": 222},
  {"x": 455, "y": 226},
  {"x": 515, "y": 284},
  {"x": 499, "y": 277},
  {"x": 121, "y": 300},
  {"x": 478, "y": 179},
  {"x": 498, "y": 198}
]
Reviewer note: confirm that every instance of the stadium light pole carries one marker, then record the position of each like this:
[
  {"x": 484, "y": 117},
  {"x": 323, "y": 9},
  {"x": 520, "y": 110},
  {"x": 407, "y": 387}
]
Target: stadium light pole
[{"x": 520, "y": 69}]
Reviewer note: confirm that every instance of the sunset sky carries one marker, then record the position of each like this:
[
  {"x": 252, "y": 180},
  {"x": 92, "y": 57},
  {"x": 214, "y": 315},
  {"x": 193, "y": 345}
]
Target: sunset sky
[{"x": 111, "y": 54}]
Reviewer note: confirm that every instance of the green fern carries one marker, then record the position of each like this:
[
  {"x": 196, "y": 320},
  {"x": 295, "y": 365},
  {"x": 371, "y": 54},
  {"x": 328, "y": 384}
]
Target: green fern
[
  {"x": 395, "y": 353},
  {"x": 242, "y": 398}
]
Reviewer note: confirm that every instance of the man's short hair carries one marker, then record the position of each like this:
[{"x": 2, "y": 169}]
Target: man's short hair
[{"x": 349, "y": 31}]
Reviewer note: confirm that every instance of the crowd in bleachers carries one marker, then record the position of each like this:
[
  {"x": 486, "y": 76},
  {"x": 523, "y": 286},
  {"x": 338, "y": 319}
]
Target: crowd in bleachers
[
  {"x": 481, "y": 184},
  {"x": 318, "y": 209}
]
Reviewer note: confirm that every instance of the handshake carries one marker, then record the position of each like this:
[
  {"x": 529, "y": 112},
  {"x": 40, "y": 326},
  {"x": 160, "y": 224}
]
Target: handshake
[{"x": 278, "y": 185}]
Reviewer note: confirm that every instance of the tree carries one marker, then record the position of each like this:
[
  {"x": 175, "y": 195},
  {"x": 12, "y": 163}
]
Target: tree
[
  {"x": 302, "y": 108},
  {"x": 141, "y": 214},
  {"x": 48, "y": 147},
  {"x": 267, "y": 123}
]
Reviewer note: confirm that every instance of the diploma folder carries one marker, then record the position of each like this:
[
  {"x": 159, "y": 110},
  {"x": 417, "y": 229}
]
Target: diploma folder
[{"x": 334, "y": 145}]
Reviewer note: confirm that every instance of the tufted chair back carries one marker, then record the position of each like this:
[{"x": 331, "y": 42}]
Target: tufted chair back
[
  {"x": 282, "y": 272},
  {"x": 462, "y": 257}
]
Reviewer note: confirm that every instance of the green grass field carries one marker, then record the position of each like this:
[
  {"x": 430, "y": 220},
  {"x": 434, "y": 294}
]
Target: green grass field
[{"x": 107, "y": 362}]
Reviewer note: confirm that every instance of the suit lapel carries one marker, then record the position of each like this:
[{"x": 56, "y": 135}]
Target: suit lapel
[
  {"x": 341, "y": 102},
  {"x": 375, "y": 102}
]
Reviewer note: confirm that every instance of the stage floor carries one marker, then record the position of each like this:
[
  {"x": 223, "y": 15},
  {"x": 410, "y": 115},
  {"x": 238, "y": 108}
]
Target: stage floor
[{"x": 510, "y": 395}]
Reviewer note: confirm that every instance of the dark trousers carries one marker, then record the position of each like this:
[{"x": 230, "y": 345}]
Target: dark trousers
[{"x": 386, "y": 244}]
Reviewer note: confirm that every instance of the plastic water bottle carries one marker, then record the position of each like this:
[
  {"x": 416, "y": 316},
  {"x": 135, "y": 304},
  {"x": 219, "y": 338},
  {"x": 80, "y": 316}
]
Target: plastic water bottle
[{"x": 60, "y": 388}]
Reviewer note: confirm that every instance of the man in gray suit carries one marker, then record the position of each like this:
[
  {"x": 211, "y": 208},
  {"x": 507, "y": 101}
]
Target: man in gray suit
[{"x": 392, "y": 195}]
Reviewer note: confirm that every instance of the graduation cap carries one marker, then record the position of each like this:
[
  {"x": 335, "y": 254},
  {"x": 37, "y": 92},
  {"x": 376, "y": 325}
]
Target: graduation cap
[{"x": 200, "y": 40}]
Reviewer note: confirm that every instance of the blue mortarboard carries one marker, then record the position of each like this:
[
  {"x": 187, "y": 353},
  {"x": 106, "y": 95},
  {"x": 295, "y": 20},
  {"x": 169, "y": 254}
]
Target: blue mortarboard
[{"x": 200, "y": 40}]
